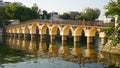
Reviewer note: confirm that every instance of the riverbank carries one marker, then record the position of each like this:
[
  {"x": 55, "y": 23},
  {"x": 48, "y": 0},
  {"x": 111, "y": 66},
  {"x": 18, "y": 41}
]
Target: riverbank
[
  {"x": 111, "y": 59},
  {"x": 111, "y": 54},
  {"x": 111, "y": 49}
]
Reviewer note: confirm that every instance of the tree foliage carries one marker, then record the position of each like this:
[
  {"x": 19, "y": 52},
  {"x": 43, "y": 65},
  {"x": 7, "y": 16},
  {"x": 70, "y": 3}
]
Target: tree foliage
[
  {"x": 88, "y": 14},
  {"x": 19, "y": 12},
  {"x": 65, "y": 16},
  {"x": 113, "y": 8},
  {"x": 45, "y": 15},
  {"x": 3, "y": 16},
  {"x": 92, "y": 14}
]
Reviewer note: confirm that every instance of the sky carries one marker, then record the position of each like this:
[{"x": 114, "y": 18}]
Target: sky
[{"x": 62, "y": 6}]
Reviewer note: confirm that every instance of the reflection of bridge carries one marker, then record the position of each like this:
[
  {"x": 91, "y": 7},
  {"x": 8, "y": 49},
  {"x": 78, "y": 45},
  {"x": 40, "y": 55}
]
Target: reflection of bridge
[
  {"x": 41, "y": 47},
  {"x": 42, "y": 26},
  {"x": 40, "y": 50}
]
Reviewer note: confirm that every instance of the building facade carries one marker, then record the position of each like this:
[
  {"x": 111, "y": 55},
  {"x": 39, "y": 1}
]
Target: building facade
[
  {"x": 2, "y": 3},
  {"x": 54, "y": 16}
]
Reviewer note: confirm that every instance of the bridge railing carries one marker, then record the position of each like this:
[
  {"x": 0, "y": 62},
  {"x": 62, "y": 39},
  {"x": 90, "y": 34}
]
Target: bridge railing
[{"x": 68, "y": 22}]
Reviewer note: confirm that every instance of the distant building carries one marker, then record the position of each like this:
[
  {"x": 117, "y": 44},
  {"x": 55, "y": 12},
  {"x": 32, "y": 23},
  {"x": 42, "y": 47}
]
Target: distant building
[
  {"x": 35, "y": 5},
  {"x": 18, "y": 3},
  {"x": 4, "y": 3},
  {"x": 109, "y": 19},
  {"x": 1, "y": 3},
  {"x": 73, "y": 14},
  {"x": 54, "y": 16},
  {"x": 13, "y": 22},
  {"x": 9, "y": 3}
]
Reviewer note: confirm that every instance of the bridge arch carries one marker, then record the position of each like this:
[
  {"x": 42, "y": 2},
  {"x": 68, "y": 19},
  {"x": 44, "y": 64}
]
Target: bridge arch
[
  {"x": 26, "y": 30},
  {"x": 93, "y": 31},
  {"x": 83, "y": 38},
  {"x": 20, "y": 29},
  {"x": 78, "y": 31},
  {"x": 54, "y": 29},
  {"x": 15, "y": 30},
  {"x": 66, "y": 30},
  {"x": 9, "y": 30},
  {"x": 12, "y": 30},
  {"x": 34, "y": 28},
  {"x": 44, "y": 29},
  {"x": 97, "y": 40}
]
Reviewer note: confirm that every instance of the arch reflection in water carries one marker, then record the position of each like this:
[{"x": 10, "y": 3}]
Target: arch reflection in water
[
  {"x": 53, "y": 49},
  {"x": 32, "y": 48},
  {"x": 64, "y": 49},
  {"x": 42, "y": 47},
  {"x": 77, "y": 51},
  {"x": 13, "y": 43},
  {"x": 90, "y": 53},
  {"x": 25, "y": 45},
  {"x": 19, "y": 46},
  {"x": 9, "y": 41}
]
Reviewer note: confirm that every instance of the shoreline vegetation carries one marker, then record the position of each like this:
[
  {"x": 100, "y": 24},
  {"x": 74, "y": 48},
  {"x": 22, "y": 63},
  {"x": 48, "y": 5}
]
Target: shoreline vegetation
[{"x": 113, "y": 33}]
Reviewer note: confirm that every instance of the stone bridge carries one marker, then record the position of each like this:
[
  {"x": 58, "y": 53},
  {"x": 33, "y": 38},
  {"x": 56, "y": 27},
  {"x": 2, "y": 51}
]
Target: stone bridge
[{"x": 41, "y": 27}]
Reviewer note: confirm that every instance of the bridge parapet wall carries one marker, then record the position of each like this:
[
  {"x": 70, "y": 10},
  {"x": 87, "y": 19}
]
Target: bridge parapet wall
[{"x": 73, "y": 23}]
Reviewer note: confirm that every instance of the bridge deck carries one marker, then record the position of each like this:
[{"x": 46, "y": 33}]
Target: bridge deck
[{"x": 66, "y": 22}]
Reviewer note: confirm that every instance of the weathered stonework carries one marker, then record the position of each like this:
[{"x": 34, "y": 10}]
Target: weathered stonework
[{"x": 111, "y": 49}]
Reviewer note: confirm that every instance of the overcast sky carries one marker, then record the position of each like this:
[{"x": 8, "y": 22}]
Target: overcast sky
[{"x": 65, "y": 5}]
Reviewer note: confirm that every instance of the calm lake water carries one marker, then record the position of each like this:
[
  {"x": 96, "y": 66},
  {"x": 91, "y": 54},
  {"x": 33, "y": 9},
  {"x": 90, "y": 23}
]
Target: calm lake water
[{"x": 36, "y": 53}]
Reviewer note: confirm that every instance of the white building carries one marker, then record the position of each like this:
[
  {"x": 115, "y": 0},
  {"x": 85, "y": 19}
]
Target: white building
[
  {"x": 4, "y": 3},
  {"x": 109, "y": 19},
  {"x": 1, "y": 0},
  {"x": 7, "y": 3},
  {"x": 13, "y": 22},
  {"x": 1, "y": 3},
  {"x": 35, "y": 5},
  {"x": 54, "y": 16}
]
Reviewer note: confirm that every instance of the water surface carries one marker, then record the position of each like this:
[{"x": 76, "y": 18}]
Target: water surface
[{"x": 35, "y": 53}]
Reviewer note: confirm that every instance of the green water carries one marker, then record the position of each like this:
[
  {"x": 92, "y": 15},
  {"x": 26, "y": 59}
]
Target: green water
[{"x": 20, "y": 53}]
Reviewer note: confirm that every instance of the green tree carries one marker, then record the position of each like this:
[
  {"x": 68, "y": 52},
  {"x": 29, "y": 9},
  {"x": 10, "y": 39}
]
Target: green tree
[
  {"x": 35, "y": 8},
  {"x": 15, "y": 11},
  {"x": 81, "y": 16},
  {"x": 89, "y": 14},
  {"x": 45, "y": 15},
  {"x": 3, "y": 16},
  {"x": 73, "y": 15},
  {"x": 65, "y": 16},
  {"x": 21, "y": 13},
  {"x": 113, "y": 8}
]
